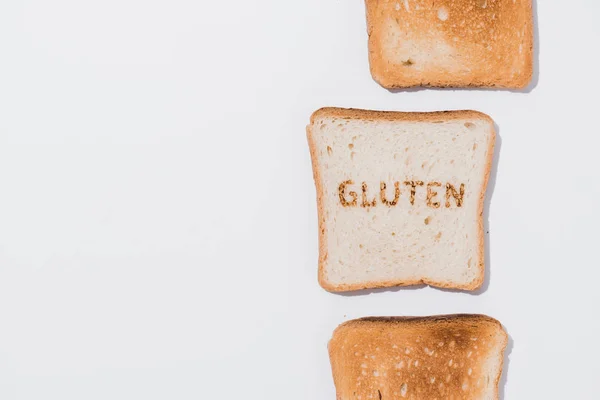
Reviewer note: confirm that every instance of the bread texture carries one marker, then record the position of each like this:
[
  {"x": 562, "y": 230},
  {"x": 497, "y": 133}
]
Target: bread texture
[
  {"x": 400, "y": 197},
  {"x": 451, "y": 43},
  {"x": 440, "y": 357}
]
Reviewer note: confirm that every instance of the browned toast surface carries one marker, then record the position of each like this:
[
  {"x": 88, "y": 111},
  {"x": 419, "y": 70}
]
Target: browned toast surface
[
  {"x": 454, "y": 356},
  {"x": 457, "y": 43}
]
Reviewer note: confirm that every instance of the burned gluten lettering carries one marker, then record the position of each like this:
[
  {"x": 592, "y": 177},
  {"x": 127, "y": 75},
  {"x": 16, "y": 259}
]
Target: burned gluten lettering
[
  {"x": 365, "y": 201},
  {"x": 451, "y": 192},
  {"x": 431, "y": 194},
  {"x": 342, "y": 194},
  {"x": 413, "y": 189},
  {"x": 349, "y": 197},
  {"x": 384, "y": 200}
]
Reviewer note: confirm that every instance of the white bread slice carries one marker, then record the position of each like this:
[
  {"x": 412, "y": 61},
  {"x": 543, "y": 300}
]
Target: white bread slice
[
  {"x": 441, "y": 357},
  {"x": 400, "y": 197},
  {"x": 457, "y": 43}
]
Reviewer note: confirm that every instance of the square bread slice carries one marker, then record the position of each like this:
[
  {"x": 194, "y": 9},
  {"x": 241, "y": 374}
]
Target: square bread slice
[
  {"x": 450, "y": 43},
  {"x": 443, "y": 357},
  {"x": 400, "y": 197}
]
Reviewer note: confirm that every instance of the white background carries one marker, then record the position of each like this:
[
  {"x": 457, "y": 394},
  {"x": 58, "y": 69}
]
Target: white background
[{"x": 158, "y": 228}]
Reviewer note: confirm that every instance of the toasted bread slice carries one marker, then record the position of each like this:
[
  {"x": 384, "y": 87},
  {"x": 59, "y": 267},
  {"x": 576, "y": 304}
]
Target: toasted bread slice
[
  {"x": 441, "y": 357},
  {"x": 451, "y": 43},
  {"x": 400, "y": 197}
]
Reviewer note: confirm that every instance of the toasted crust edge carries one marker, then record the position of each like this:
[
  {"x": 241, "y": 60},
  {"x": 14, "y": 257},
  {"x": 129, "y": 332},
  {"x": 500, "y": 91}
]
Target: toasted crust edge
[
  {"x": 417, "y": 116},
  {"x": 376, "y": 65},
  {"x": 352, "y": 113},
  {"x": 424, "y": 320},
  {"x": 321, "y": 215},
  {"x": 522, "y": 82}
]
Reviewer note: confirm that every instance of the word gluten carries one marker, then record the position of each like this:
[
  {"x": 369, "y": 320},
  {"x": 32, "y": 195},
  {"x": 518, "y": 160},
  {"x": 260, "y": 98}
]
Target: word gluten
[{"x": 349, "y": 198}]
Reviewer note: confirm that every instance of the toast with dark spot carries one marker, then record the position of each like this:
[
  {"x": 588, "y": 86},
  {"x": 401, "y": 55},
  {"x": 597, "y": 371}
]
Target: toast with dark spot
[{"x": 451, "y": 43}]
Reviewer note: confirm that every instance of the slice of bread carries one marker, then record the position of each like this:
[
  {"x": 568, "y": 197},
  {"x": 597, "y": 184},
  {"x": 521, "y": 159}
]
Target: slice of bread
[
  {"x": 450, "y": 43},
  {"x": 442, "y": 357},
  {"x": 400, "y": 197}
]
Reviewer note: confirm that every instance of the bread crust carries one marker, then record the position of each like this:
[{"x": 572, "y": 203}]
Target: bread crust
[
  {"x": 477, "y": 36},
  {"x": 320, "y": 208},
  {"x": 424, "y": 328},
  {"x": 370, "y": 115}
]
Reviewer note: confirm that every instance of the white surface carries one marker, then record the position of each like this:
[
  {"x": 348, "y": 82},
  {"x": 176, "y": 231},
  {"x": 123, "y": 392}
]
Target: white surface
[{"x": 158, "y": 234}]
